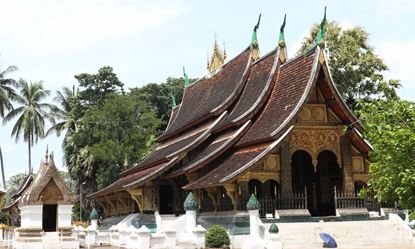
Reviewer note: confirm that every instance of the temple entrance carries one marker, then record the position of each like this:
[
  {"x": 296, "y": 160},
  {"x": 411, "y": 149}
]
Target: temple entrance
[
  {"x": 329, "y": 175},
  {"x": 303, "y": 177},
  {"x": 319, "y": 184},
  {"x": 166, "y": 199},
  {"x": 49, "y": 217},
  {"x": 255, "y": 187}
]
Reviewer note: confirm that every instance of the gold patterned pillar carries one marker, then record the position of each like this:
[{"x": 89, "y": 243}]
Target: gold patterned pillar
[
  {"x": 286, "y": 178},
  {"x": 137, "y": 195},
  {"x": 346, "y": 149},
  {"x": 232, "y": 192}
]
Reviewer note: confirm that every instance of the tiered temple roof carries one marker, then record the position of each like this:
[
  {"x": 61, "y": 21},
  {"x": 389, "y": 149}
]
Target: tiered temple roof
[{"x": 233, "y": 117}]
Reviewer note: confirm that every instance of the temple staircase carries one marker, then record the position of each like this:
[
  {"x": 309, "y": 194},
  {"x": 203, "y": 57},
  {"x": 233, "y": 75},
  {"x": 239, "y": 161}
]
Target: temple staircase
[
  {"x": 51, "y": 240},
  {"x": 393, "y": 233}
]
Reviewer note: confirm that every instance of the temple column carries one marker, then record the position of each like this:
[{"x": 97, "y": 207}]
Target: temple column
[
  {"x": 346, "y": 154},
  {"x": 286, "y": 179},
  {"x": 138, "y": 196},
  {"x": 232, "y": 192}
]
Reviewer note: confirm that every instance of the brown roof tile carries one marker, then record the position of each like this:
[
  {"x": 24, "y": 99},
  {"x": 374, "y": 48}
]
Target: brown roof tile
[
  {"x": 211, "y": 150},
  {"x": 117, "y": 186},
  {"x": 210, "y": 95},
  {"x": 290, "y": 87},
  {"x": 171, "y": 148},
  {"x": 235, "y": 161},
  {"x": 256, "y": 91}
]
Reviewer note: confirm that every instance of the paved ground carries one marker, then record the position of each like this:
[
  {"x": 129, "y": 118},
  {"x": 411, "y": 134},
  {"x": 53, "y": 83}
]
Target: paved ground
[{"x": 382, "y": 247}]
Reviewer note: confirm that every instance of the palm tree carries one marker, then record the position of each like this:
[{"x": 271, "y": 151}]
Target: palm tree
[
  {"x": 6, "y": 90},
  {"x": 31, "y": 113},
  {"x": 6, "y": 93},
  {"x": 2, "y": 170},
  {"x": 68, "y": 101}
]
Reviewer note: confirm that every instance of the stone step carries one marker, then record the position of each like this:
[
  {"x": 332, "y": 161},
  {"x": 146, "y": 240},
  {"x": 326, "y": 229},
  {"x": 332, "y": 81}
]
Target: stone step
[{"x": 348, "y": 234}]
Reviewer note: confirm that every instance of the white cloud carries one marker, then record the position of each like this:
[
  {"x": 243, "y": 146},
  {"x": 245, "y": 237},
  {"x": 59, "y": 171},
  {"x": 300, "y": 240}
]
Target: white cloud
[
  {"x": 296, "y": 45},
  {"x": 345, "y": 25},
  {"x": 50, "y": 27},
  {"x": 399, "y": 57}
]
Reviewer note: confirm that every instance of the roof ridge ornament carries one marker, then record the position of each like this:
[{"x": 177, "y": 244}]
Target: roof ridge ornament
[
  {"x": 173, "y": 101},
  {"x": 218, "y": 57},
  {"x": 47, "y": 154},
  {"x": 185, "y": 78},
  {"x": 254, "y": 41},
  {"x": 320, "y": 35},
  {"x": 281, "y": 39}
]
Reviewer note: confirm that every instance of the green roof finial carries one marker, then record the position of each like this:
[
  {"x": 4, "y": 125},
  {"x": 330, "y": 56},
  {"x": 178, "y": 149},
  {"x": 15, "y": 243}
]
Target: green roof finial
[
  {"x": 173, "y": 101},
  {"x": 320, "y": 34},
  {"x": 94, "y": 215},
  {"x": 254, "y": 34},
  {"x": 186, "y": 78},
  {"x": 253, "y": 203},
  {"x": 190, "y": 203},
  {"x": 281, "y": 39},
  {"x": 273, "y": 228}
]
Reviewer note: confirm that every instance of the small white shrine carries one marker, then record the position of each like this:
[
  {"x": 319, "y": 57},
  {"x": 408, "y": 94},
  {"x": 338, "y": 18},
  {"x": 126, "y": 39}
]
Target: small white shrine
[{"x": 46, "y": 210}]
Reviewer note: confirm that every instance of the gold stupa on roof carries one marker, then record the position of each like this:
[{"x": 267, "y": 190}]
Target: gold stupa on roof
[{"x": 218, "y": 57}]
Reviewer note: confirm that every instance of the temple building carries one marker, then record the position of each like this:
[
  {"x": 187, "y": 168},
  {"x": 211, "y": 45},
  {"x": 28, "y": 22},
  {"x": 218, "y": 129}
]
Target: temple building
[
  {"x": 269, "y": 125},
  {"x": 43, "y": 202}
]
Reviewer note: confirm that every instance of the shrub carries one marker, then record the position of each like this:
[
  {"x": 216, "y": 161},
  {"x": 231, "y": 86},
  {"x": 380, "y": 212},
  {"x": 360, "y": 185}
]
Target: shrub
[
  {"x": 412, "y": 216},
  {"x": 216, "y": 236}
]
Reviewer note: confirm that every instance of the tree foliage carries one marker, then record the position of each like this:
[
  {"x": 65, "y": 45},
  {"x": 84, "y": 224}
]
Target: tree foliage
[
  {"x": 390, "y": 127},
  {"x": 97, "y": 86},
  {"x": 158, "y": 97},
  {"x": 121, "y": 129},
  {"x": 356, "y": 69},
  {"x": 7, "y": 91},
  {"x": 31, "y": 113}
]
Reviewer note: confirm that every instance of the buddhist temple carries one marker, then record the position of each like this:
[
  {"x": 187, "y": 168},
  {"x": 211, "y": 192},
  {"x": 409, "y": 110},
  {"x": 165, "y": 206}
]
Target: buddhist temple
[{"x": 268, "y": 125}]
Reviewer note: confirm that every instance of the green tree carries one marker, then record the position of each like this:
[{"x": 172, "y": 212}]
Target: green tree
[
  {"x": 13, "y": 184},
  {"x": 123, "y": 127},
  {"x": 6, "y": 90},
  {"x": 68, "y": 113},
  {"x": 95, "y": 87},
  {"x": 6, "y": 94},
  {"x": 158, "y": 97},
  {"x": 356, "y": 69},
  {"x": 31, "y": 114},
  {"x": 390, "y": 127}
]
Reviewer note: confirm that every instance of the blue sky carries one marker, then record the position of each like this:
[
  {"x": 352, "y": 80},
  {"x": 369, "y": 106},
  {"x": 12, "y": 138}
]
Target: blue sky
[{"x": 148, "y": 41}]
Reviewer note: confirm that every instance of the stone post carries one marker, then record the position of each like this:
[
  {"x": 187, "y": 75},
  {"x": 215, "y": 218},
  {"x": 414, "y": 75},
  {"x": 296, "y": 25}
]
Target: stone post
[
  {"x": 123, "y": 235},
  {"x": 199, "y": 233},
  {"x": 254, "y": 241},
  {"x": 94, "y": 216},
  {"x": 253, "y": 207},
  {"x": 274, "y": 241},
  {"x": 143, "y": 237},
  {"x": 1, "y": 234},
  {"x": 190, "y": 207},
  {"x": 132, "y": 240},
  {"x": 158, "y": 221},
  {"x": 170, "y": 238},
  {"x": 90, "y": 237}
]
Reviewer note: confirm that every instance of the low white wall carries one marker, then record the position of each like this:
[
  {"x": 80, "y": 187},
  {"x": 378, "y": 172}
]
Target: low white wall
[
  {"x": 31, "y": 216},
  {"x": 64, "y": 216}
]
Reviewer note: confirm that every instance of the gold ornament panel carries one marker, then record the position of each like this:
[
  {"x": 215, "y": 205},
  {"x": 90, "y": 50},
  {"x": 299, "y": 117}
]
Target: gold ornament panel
[
  {"x": 313, "y": 113},
  {"x": 315, "y": 140}
]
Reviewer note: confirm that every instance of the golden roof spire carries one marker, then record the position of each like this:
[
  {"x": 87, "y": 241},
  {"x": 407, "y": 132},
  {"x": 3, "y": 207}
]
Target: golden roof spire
[{"x": 218, "y": 57}]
